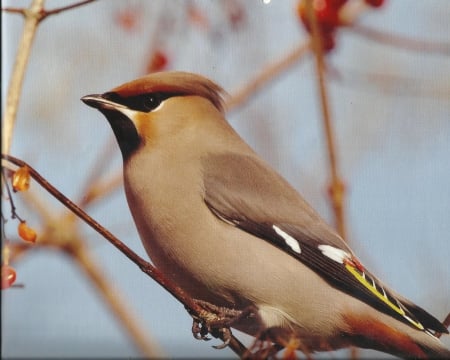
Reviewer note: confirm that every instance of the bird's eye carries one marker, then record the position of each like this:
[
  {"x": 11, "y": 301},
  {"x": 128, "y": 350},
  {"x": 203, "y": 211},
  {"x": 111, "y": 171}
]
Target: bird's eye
[
  {"x": 150, "y": 102},
  {"x": 145, "y": 102}
]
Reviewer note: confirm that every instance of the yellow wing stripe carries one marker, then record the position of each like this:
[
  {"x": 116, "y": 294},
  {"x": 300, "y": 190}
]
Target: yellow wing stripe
[{"x": 382, "y": 297}]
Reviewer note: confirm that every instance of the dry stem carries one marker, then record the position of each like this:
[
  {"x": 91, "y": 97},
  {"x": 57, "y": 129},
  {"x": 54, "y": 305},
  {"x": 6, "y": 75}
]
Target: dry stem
[
  {"x": 33, "y": 16},
  {"x": 336, "y": 186},
  {"x": 148, "y": 347},
  {"x": 268, "y": 74},
  {"x": 399, "y": 41},
  {"x": 32, "y": 19}
]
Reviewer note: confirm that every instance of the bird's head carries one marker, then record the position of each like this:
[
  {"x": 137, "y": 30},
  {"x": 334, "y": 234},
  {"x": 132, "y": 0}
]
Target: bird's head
[{"x": 155, "y": 106}]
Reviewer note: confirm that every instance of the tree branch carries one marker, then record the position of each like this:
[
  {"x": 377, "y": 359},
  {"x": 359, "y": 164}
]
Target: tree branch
[
  {"x": 268, "y": 74},
  {"x": 146, "y": 267},
  {"x": 32, "y": 19},
  {"x": 47, "y": 13},
  {"x": 148, "y": 347},
  {"x": 336, "y": 188},
  {"x": 400, "y": 41}
]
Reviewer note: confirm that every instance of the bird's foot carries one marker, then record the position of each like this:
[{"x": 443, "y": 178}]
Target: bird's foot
[
  {"x": 217, "y": 320},
  {"x": 264, "y": 347}
]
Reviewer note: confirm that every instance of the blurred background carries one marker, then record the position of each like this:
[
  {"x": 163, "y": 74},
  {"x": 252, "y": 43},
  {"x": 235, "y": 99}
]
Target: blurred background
[{"x": 388, "y": 79}]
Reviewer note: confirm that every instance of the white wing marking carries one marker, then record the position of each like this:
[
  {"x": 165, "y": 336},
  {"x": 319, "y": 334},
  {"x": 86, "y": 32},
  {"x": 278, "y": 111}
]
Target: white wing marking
[{"x": 288, "y": 239}]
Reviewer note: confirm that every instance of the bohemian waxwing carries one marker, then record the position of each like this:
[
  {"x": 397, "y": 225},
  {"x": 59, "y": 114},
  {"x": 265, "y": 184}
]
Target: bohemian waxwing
[{"x": 223, "y": 225}]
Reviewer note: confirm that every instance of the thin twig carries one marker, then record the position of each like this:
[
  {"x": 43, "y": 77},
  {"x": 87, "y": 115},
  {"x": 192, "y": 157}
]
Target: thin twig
[
  {"x": 45, "y": 13},
  {"x": 14, "y": 214},
  {"x": 268, "y": 74},
  {"x": 399, "y": 41},
  {"x": 101, "y": 188},
  {"x": 271, "y": 71},
  {"x": 61, "y": 234},
  {"x": 148, "y": 347},
  {"x": 14, "y": 10},
  {"x": 336, "y": 186},
  {"x": 34, "y": 201},
  {"x": 93, "y": 187},
  {"x": 18, "y": 249},
  {"x": 145, "y": 266},
  {"x": 33, "y": 16},
  {"x": 65, "y": 8},
  {"x": 391, "y": 83}
]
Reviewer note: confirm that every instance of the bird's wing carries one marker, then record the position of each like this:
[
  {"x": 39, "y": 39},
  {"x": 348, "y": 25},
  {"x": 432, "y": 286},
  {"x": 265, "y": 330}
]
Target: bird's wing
[{"x": 245, "y": 192}]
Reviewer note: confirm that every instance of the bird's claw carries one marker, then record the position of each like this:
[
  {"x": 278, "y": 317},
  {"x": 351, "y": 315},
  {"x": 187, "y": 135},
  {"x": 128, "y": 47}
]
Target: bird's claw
[
  {"x": 199, "y": 330},
  {"x": 226, "y": 337},
  {"x": 215, "y": 320}
]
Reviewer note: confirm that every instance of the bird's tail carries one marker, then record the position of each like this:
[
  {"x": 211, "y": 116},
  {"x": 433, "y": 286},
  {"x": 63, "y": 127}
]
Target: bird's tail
[{"x": 389, "y": 335}]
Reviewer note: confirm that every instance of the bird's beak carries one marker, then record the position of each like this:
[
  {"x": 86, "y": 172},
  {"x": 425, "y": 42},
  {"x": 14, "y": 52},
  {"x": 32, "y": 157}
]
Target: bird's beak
[{"x": 97, "y": 101}]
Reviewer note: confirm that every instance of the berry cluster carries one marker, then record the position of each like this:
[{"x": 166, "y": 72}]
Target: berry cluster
[
  {"x": 327, "y": 14},
  {"x": 20, "y": 182}
]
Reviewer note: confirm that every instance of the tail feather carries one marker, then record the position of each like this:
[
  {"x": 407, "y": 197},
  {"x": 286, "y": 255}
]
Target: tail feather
[
  {"x": 424, "y": 317},
  {"x": 395, "y": 338}
]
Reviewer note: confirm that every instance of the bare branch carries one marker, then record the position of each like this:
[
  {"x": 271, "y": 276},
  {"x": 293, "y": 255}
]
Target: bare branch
[
  {"x": 336, "y": 188},
  {"x": 268, "y": 74},
  {"x": 193, "y": 307},
  {"x": 148, "y": 347},
  {"x": 93, "y": 187},
  {"x": 65, "y": 8},
  {"x": 101, "y": 188},
  {"x": 144, "y": 265},
  {"x": 400, "y": 41},
  {"x": 32, "y": 19},
  {"x": 40, "y": 207},
  {"x": 13, "y": 10},
  {"x": 272, "y": 71},
  {"x": 392, "y": 83}
]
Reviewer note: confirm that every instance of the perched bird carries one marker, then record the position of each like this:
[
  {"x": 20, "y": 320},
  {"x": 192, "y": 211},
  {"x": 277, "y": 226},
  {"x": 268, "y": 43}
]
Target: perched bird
[{"x": 222, "y": 224}]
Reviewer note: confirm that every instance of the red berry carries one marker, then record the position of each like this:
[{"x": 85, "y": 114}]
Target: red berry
[
  {"x": 375, "y": 3},
  {"x": 8, "y": 276},
  {"x": 158, "y": 61},
  {"x": 336, "y": 4},
  {"x": 327, "y": 13}
]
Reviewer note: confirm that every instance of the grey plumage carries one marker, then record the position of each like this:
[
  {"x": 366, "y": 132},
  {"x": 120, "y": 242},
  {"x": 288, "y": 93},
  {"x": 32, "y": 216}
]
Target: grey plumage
[{"x": 228, "y": 229}]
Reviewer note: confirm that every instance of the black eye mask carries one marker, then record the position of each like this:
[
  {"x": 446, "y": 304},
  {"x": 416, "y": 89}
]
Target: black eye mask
[{"x": 144, "y": 102}]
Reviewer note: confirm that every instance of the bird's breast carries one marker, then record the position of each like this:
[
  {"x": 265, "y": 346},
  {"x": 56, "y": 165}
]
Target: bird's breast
[{"x": 166, "y": 201}]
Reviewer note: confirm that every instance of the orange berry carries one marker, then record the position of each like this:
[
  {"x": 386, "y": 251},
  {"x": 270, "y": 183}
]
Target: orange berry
[
  {"x": 26, "y": 233},
  {"x": 8, "y": 276},
  {"x": 21, "y": 179}
]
